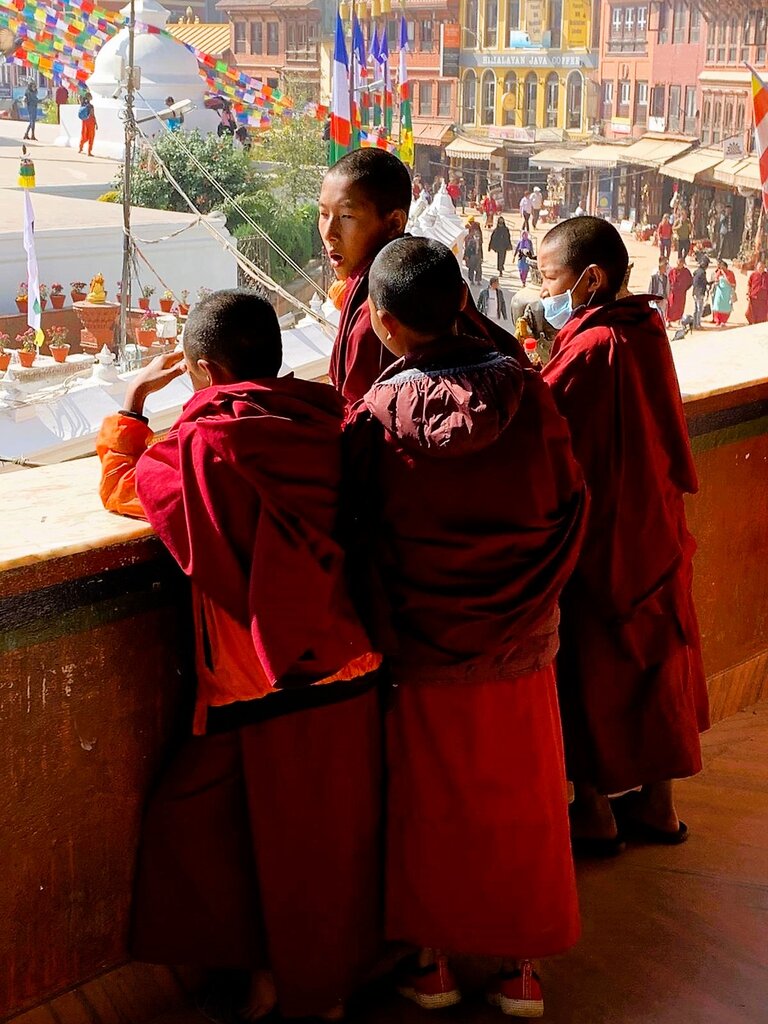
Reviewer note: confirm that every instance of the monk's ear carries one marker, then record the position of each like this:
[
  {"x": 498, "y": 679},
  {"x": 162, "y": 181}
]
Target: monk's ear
[
  {"x": 396, "y": 222},
  {"x": 597, "y": 280},
  {"x": 388, "y": 322},
  {"x": 215, "y": 373},
  {"x": 464, "y": 297}
]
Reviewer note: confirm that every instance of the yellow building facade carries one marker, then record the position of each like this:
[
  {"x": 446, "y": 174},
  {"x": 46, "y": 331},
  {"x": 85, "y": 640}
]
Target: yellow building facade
[{"x": 525, "y": 67}]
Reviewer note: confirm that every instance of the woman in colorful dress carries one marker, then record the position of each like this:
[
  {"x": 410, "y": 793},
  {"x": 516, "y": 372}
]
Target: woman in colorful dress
[{"x": 723, "y": 293}]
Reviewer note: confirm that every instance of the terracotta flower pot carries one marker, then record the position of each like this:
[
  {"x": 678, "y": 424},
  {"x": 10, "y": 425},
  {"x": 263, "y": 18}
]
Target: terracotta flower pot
[
  {"x": 27, "y": 358},
  {"x": 143, "y": 303},
  {"x": 22, "y": 305},
  {"x": 57, "y": 301},
  {"x": 183, "y": 310},
  {"x": 60, "y": 353},
  {"x": 79, "y": 296},
  {"x": 5, "y": 360},
  {"x": 146, "y": 338},
  {"x": 166, "y": 305}
]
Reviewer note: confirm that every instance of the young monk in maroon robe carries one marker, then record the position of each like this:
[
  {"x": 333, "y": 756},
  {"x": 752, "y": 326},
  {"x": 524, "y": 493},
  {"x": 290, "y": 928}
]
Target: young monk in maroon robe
[
  {"x": 469, "y": 508},
  {"x": 631, "y": 681},
  {"x": 364, "y": 203},
  {"x": 260, "y": 846}
]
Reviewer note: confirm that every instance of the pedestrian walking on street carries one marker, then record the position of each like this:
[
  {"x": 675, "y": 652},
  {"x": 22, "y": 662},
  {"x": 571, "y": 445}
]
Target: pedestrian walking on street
[
  {"x": 491, "y": 301},
  {"x": 524, "y": 254},
  {"x": 526, "y": 209},
  {"x": 682, "y": 229},
  {"x": 700, "y": 288},
  {"x": 659, "y": 287},
  {"x": 500, "y": 243},
  {"x": 88, "y": 125},
  {"x": 723, "y": 293},
  {"x": 31, "y": 101},
  {"x": 680, "y": 281},
  {"x": 489, "y": 209},
  {"x": 473, "y": 252},
  {"x": 757, "y": 310},
  {"x": 537, "y": 202},
  {"x": 664, "y": 233}
]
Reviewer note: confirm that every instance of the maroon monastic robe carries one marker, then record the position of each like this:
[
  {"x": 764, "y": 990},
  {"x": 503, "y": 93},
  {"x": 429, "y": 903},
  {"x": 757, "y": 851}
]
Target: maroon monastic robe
[
  {"x": 680, "y": 281},
  {"x": 630, "y": 675},
  {"x": 358, "y": 357},
  {"x": 757, "y": 308},
  {"x": 469, "y": 512},
  {"x": 261, "y": 844}
]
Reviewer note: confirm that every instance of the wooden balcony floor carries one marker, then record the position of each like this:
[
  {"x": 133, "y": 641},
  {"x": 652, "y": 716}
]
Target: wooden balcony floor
[{"x": 671, "y": 936}]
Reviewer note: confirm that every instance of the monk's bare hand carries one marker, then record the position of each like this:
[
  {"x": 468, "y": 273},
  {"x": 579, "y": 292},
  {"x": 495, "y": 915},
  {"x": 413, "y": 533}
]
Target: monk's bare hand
[{"x": 154, "y": 377}]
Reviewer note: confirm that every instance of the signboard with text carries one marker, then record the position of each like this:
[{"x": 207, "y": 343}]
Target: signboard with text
[
  {"x": 551, "y": 59},
  {"x": 450, "y": 49},
  {"x": 534, "y": 19},
  {"x": 578, "y": 24}
]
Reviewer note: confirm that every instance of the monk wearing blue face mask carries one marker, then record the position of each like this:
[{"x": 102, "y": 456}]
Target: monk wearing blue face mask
[{"x": 630, "y": 675}]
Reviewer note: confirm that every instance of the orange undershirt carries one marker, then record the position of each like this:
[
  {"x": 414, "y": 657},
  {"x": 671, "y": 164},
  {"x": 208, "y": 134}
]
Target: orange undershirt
[{"x": 227, "y": 668}]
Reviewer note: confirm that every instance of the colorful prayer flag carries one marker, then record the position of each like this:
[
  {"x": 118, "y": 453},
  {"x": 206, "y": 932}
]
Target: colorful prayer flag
[
  {"x": 406, "y": 123},
  {"x": 760, "y": 98},
  {"x": 341, "y": 115}
]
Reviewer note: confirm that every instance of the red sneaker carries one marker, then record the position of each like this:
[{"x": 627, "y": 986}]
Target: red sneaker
[
  {"x": 432, "y": 987},
  {"x": 517, "y": 993}
]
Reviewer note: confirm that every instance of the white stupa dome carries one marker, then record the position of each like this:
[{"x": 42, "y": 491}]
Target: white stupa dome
[{"x": 168, "y": 68}]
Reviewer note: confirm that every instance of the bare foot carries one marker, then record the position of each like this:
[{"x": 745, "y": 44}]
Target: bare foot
[
  {"x": 591, "y": 815},
  {"x": 262, "y": 997}
]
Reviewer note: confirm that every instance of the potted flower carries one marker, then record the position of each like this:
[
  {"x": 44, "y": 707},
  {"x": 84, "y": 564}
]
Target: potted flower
[
  {"x": 28, "y": 348},
  {"x": 146, "y": 294},
  {"x": 22, "y": 297},
  {"x": 203, "y": 293},
  {"x": 78, "y": 292},
  {"x": 146, "y": 332},
  {"x": 43, "y": 296},
  {"x": 184, "y": 303},
  {"x": 57, "y": 296},
  {"x": 57, "y": 343},
  {"x": 166, "y": 301},
  {"x": 5, "y": 357}
]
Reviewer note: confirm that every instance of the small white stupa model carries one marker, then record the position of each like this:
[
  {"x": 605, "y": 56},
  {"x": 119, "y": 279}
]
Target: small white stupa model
[
  {"x": 166, "y": 68},
  {"x": 439, "y": 220}
]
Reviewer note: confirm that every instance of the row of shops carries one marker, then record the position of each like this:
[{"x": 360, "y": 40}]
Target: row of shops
[
  {"x": 640, "y": 182},
  {"x": 635, "y": 183}
]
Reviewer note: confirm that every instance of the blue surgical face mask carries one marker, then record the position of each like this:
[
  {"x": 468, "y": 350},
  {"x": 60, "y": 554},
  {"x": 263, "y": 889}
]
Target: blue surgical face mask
[{"x": 558, "y": 309}]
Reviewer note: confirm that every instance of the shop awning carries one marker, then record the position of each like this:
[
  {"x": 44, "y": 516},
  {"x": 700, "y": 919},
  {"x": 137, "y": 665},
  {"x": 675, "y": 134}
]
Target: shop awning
[
  {"x": 427, "y": 133},
  {"x": 650, "y": 152},
  {"x": 469, "y": 149},
  {"x": 693, "y": 165},
  {"x": 597, "y": 155},
  {"x": 553, "y": 158},
  {"x": 739, "y": 172},
  {"x": 748, "y": 175}
]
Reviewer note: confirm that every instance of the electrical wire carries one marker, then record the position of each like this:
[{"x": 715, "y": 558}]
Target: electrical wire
[
  {"x": 242, "y": 261},
  {"x": 233, "y": 202}
]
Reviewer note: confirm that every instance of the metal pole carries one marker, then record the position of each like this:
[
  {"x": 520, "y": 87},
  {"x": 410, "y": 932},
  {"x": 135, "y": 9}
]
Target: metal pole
[{"x": 129, "y": 136}]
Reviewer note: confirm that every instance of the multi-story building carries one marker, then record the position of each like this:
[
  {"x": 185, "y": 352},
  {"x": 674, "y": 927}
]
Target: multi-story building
[
  {"x": 278, "y": 41},
  {"x": 525, "y": 67},
  {"x": 651, "y": 54},
  {"x": 433, "y": 70}
]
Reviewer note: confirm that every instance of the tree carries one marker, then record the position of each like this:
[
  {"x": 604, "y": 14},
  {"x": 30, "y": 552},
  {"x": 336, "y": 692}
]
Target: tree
[
  {"x": 228, "y": 164},
  {"x": 292, "y": 228},
  {"x": 295, "y": 147}
]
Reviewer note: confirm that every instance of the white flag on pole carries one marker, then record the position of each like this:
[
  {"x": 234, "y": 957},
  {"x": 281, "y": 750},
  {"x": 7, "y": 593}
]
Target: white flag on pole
[{"x": 34, "y": 308}]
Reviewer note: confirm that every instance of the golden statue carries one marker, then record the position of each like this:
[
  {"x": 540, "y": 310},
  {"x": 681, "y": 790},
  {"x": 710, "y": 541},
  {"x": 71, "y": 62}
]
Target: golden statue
[
  {"x": 97, "y": 295},
  {"x": 522, "y": 331}
]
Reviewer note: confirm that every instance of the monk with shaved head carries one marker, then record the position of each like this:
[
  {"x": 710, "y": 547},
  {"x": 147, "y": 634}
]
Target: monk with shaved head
[{"x": 630, "y": 674}]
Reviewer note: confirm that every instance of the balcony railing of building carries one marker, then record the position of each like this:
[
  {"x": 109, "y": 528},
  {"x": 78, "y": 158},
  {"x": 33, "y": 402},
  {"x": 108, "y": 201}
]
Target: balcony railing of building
[
  {"x": 627, "y": 44},
  {"x": 303, "y": 55}
]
